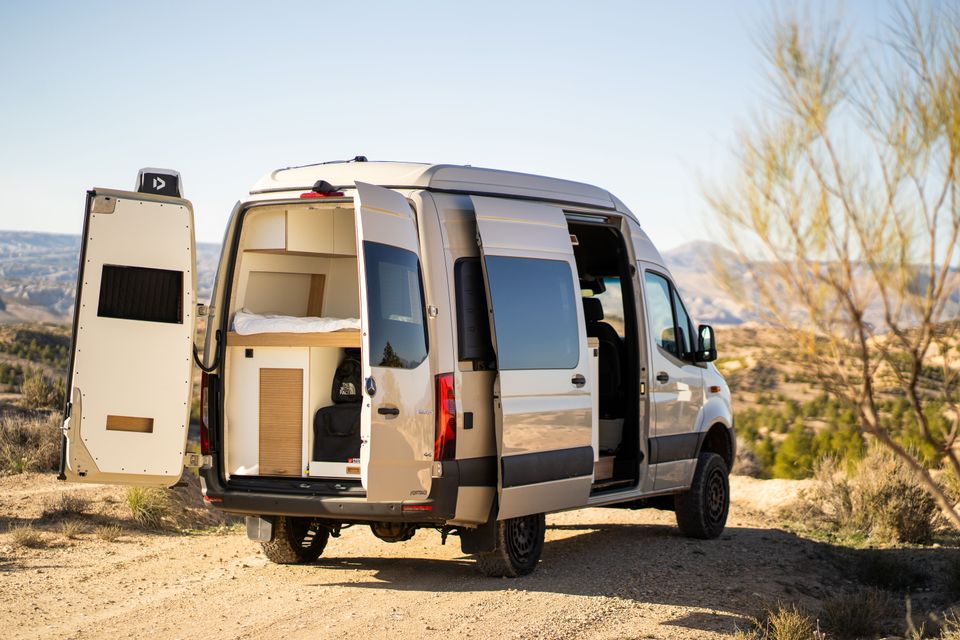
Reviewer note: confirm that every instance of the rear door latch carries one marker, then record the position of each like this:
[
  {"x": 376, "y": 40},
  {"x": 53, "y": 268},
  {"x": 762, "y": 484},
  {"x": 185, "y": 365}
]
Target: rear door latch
[{"x": 195, "y": 461}]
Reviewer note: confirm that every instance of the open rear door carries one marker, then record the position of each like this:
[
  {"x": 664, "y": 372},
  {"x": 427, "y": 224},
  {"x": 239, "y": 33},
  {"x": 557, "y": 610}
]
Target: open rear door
[
  {"x": 129, "y": 389},
  {"x": 396, "y": 420},
  {"x": 543, "y": 403}
]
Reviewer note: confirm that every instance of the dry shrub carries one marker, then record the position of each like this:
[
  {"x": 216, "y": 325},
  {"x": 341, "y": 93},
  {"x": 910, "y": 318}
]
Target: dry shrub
[
  {"x": 71, "y": 529},
  {"x": 745, "y": 463},
  {"x": 783, "y": 622},
  {"x": 148, "y": 506},
  {"x": 26, "y": 536},
  {"x": 40, "y": 392},
  {"x": 109, "y": 532},
  {"x": 880, "y": 498},
  {"x": 883, "y": 569},
  {"x": 29, "y": 444},
  {"x": 952, "y": 576},
  {"x": 857, "y": 615},
  {"x": 950, "y": 629},
  {"x": 68, "y": 503}
]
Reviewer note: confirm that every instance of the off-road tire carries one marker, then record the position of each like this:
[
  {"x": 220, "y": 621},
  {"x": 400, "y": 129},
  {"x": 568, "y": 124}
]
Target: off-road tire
[
  {"x": 519, "y": 545},
  {"x": 295, "y": 541},
  {"x": 702, "y": 511}
]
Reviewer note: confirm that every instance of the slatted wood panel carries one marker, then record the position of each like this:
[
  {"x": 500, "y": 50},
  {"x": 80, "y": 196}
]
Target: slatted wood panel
[
  {"x": 345, "y": 338},
  {"x": 281, "y": 422},
  {"x": 129, "y": 423}
]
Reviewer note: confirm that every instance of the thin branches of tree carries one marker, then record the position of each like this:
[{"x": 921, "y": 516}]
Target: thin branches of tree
[{"x": 845, "y": 202}]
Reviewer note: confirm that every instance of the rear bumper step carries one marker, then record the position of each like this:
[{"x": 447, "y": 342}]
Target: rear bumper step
[{"x": 439, "y": 506}]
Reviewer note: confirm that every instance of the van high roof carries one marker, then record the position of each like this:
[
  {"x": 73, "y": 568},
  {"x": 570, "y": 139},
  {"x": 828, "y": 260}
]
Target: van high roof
[{"x": 437, "y": 177}]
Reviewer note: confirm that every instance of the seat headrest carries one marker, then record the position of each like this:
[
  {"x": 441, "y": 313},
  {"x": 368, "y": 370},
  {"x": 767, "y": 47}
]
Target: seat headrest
[{"x": 592, "y": 310}]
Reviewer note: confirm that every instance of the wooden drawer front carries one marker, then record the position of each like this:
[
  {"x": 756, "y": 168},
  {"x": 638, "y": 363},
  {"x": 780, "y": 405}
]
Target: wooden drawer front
[{"x": 281, "y": 422}]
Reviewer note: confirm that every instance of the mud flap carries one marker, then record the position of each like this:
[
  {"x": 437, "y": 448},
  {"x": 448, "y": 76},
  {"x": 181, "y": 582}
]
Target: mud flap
[
  {"x": 260, "y": 529},
  {"x": 483, "y": 538}
]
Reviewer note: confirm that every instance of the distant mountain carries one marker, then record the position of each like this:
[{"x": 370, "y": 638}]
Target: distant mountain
[
  {"x": 694, "y": 267},
  {"x": 38, "y": 275},
  {"x": 38, "y": 278}
]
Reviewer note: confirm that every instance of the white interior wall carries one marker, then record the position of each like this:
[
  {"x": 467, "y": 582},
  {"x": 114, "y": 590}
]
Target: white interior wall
[
  {"x": 301, "y": 240},
  {"x": 279, "y": 282}
]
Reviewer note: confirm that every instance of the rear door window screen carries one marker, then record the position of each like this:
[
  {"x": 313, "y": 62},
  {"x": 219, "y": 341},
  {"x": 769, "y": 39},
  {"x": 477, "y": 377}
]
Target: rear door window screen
[
  {"x": 139, "y": 293},
  {"x": 473, "y": 321},
  {"x": 534, "y": 313},
  {"x": 394, "y": 307}
]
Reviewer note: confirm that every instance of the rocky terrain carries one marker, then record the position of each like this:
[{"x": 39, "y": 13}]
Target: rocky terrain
[{"x": 605, "y": 573}]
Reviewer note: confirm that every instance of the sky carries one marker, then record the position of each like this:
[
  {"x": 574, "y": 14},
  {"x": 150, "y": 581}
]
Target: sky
[{"x": 641, "y": 98}]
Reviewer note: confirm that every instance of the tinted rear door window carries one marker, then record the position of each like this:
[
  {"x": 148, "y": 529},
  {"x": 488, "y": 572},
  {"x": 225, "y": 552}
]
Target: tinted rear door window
[
  {"x": 398, "y": 335},
  {"x": 534, "y": 313}
]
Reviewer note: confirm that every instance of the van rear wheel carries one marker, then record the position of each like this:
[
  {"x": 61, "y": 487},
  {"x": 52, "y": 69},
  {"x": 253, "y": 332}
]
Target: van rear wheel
[
  {"x": 518, "y": 550},
  {"x": 295, "y": 541},
  {"x": 702, "y": 511}
]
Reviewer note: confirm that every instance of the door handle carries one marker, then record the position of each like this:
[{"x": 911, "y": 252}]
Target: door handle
[
  {"x": 388, "y": 411},
  {"x": 578, "y": 380},
  {"x": 663, "y": 377}
]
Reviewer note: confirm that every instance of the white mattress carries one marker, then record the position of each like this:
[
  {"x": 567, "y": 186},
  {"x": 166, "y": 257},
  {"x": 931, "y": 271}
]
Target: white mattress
[{"x": 247, "y": 323}]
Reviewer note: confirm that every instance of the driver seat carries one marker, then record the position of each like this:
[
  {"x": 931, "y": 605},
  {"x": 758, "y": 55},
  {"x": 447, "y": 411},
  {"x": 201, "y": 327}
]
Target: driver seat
[{"x": 610, "y": 364}]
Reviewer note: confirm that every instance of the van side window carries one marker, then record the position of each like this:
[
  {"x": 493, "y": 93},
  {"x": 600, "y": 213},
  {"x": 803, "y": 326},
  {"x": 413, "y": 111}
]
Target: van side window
[
  {"x": 534, "y": 313},
  {"x": 473, "y": 321},
  {"x": 660, "y": 312},
  {"x": 685, "y": 331},
  {"x": 398, "y": 335}
]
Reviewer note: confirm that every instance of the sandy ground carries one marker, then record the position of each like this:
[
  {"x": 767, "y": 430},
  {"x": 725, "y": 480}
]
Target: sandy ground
[{"x": 605, "y": 573}]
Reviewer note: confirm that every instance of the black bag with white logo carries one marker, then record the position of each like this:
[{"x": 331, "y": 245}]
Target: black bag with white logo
[{"x": 336, "y": 429}]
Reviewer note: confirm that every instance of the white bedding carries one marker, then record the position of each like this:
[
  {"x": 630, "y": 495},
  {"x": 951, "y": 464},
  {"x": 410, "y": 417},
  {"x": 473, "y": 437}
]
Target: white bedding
[{"x": 246, "y": 323}]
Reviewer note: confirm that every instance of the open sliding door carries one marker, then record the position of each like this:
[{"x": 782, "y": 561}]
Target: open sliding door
[
  {"x": 130, "y": 378},
  {"x": 543, "y": 401},
  {"x": 396, "y": 420}
]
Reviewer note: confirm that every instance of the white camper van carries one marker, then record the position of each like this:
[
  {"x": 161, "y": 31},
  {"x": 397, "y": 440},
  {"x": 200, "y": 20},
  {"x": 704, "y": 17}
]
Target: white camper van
[{"x": 402, "y": 346}]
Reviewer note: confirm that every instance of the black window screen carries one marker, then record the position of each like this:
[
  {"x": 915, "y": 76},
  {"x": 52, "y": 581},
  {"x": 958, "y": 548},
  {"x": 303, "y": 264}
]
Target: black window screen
[
  {"x": 138, "y": 293},
  {"x": 473, "y": 322}
]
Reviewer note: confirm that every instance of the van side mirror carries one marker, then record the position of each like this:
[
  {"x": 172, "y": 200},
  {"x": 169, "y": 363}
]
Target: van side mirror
[{"x": 706, "y": 344}]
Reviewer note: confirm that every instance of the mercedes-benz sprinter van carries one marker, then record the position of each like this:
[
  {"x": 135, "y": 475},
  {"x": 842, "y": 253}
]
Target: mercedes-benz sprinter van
[{"x": 402, "y": 346}]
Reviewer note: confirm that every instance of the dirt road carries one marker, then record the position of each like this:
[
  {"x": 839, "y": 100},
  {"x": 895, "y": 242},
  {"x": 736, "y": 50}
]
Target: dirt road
[{"x": 605, "y": 573}]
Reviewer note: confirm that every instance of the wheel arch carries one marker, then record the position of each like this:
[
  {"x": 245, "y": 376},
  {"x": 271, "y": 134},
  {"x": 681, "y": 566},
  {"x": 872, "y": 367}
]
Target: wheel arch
[{"x": 719, "y": 439}]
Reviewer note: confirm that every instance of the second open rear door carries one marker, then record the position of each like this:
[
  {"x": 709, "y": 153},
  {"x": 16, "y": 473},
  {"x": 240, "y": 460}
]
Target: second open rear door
[{"x": 543, "y": 389}]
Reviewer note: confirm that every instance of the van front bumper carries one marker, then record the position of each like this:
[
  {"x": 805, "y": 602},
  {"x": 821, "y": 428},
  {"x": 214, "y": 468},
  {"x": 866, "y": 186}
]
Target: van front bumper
[{"x": 437, "y": 508}]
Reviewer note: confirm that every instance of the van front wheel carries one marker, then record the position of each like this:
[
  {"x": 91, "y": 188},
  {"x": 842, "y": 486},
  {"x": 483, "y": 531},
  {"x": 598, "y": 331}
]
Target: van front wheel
[
  {"x": 702, "y": 511},
  {"x": 295, "y": 541},
  {"x": 519, "y": 545}
]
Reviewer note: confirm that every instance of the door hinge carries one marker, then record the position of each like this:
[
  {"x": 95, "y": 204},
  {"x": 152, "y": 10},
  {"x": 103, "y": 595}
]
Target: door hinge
[
  {"x": 195, "y": 461},
  {"x": 643, "y": 388}
]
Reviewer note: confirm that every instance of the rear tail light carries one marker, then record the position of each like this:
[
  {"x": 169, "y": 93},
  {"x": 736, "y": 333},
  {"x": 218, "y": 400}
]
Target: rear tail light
[
  {"x": 311, "y": 194},
  {"x": 204, "y": 416},
  {"x": 445, "y": 445}
]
